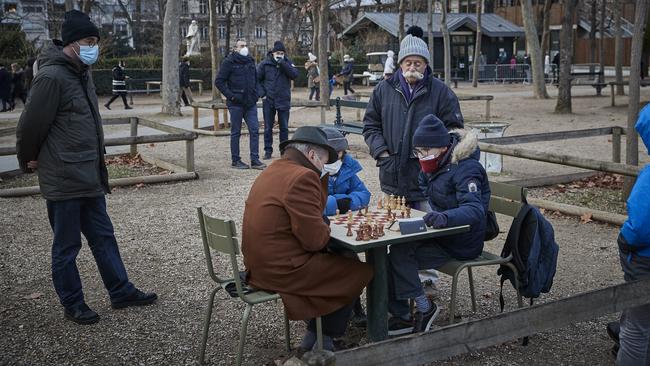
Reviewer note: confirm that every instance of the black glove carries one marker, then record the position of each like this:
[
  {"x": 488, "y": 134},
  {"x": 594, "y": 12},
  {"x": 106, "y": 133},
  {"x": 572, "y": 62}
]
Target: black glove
[
  {"x": 434, "y": 219},
  {"x": 343, "y": 204}
]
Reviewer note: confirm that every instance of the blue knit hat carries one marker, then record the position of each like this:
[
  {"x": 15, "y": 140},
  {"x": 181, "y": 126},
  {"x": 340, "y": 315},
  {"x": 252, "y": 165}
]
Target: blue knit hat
[{"x": 431, "y": 132}]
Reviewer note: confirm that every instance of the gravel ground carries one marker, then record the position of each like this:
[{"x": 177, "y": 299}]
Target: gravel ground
[{"x": 157, "y": 229}]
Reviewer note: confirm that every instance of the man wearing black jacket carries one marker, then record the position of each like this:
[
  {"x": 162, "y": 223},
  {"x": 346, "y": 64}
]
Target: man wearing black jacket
[
  {"x": 184, "y": 78},
  {"x": 60, "y": 136}
]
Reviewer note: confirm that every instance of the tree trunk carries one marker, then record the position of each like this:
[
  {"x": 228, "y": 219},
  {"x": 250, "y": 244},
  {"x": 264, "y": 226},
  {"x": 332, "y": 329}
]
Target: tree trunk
[
  {"x": 137, "y": 29},
  {"x": 323, "y": 23},
  {"x": 430, "y": 28},
  {"x": 315, "y": 21},
  {"x": 546, "y": 24},
  {"x": 601, "y": 41},
  {"x": 249, "y": 28},
  {"x": 477, "y": 45},
  {"x": 632, "y": 138},
  {"x": 400, "y": 27},
  {"x": 85, "y": 6},
  {"x": 229, "y": 24},
  {"x": 534, "y": 48},
  {"x": 592, "y": 35},
  {"x": 618, "y": 52},
  {"x": 214, "y": 48},
  {"x": 563, "y": 104},
  {"x": 446, "y": 43},
  {"x": 69, "y": 5},
  {"x": 171, "y": 44}
]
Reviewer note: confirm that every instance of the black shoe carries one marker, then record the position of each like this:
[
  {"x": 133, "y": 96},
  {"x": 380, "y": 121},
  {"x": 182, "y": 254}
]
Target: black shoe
[
  {"x": 267, "y": 156},
  {"x": 359, "y": 321},
  {"x": 613, "y": 331},
  {"x": 398, "y": 326},
  {"x": 258, "y": 165},
  {"x": 138, "y": 298},
  {"x": 127, "y": 107},
  {"x": 240, "y": 165},
  {"x": 422, "y": 321},
  {"x": 81, "y": 314},
  {"x": 107, "y": 107}
]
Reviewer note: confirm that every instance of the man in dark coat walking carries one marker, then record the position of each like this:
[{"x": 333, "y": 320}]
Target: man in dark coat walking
[
  {"x": 184, "y": 79},
  {"x": 274, "y": 75},
  {"x": 60, "y": 136},
  {"x": 5, "y": 88},
  {"x": 119, "y": 85},
  {"x": 237, "y": 81}
]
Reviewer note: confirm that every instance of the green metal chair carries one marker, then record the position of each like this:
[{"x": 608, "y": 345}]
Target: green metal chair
[
  {"x": 221, "y": 236},
  {"x": 506, "y": 199}
]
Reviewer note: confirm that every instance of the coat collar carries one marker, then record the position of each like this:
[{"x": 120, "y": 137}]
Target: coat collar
[{"x": 299, "y": 158}]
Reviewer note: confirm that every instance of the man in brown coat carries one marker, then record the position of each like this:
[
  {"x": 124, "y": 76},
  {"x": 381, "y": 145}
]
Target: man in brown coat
[{"x": 284, "y": 239}]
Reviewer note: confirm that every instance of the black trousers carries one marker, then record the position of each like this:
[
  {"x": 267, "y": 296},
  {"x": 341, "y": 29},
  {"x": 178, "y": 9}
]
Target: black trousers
[
  {"x": 347, "y": 85},
  {"x": 123, "y": 95}
]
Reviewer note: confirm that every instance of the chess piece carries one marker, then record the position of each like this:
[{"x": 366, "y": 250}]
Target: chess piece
[
  {"x": 338, "y": 214},
  {"x": 360, "y": 213},
  {"x": 380, "y": 204},
  {"x": 359, "y": 236},
  {"x": 408, "y": 212},
  {"x": 366, "y": 211},
  {"x": 349, "y": 233},
  {"x": 375, "y": 234},
  {"x": 391, "y": 201},
  {"x": 381, "y": 230},
  {"x": 402, "y": 214},
  {"x": 350, "y": 217},
  {"x": 388, "y": 209}
]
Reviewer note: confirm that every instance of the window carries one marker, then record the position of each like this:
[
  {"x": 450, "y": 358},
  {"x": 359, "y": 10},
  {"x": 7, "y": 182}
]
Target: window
[
  {"x": 222, "y": 32},
  {"x": 237, "y": 7},
  {"x": 205, "y": 33},
  {"x": 262, "y": 49},
  {"x": 32, "y": 9},
  {"x": 203, "y": 6},
  {"x": 259, "y": 32},
  {"x": 221, "y": 7},
  {"x": 185, "y": 8},
  {"x": 240, "y": 33},
  {"x": 120, "y": 29}
]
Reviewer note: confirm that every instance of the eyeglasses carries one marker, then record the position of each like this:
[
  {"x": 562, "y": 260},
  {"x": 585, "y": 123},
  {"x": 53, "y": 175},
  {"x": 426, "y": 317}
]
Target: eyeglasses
[{"x": 421, "y": 153}]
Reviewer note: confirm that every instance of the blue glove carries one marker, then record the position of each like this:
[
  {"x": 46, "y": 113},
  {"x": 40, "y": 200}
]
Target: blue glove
[{"x": 436, "y": 220}]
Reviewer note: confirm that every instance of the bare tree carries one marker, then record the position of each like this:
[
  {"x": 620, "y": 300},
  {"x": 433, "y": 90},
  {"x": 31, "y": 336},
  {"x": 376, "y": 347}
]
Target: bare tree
[
  {"x": 546, "y": 25},
  {"x": 171, "y": 45},
  {"x": 631, "y": 137},
  {"x": 69, "y": 5},
  {"x": 430, "y": 27},
  {"x": 214, "y": 48},
  {"x": 134, "y": 21},
  {"x": 563, "y": 104},
  {"x": 446, "y": 43},
  {"x": 618, "y": 45},
  {"x": 477, "y": 47},
  {"x": 537, "y": 62},
  {"x": 323, "y": 23},
  {"x": 400, "y": 27},
  {"x": 601, "y": 41},
  {"x": 354, "y": 10}
]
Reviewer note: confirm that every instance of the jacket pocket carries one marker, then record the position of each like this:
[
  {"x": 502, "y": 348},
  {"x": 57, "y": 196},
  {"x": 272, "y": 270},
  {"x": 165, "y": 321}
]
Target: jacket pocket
[
  {"x": 388, "y": 170},
  {"x": 80, "y": 171}
]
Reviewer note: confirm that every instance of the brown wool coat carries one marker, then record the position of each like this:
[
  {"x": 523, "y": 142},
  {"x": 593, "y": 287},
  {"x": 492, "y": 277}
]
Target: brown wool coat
[{"x": 284, "y": 240}]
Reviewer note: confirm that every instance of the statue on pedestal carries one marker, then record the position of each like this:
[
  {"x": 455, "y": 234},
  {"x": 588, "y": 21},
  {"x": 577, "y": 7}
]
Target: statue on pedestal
[{"x": 193, "y": 40}]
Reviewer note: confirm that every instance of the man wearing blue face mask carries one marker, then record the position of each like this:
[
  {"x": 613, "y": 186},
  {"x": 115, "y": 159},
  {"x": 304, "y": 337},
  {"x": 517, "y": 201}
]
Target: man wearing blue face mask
[{"x": 60, "y": 136}]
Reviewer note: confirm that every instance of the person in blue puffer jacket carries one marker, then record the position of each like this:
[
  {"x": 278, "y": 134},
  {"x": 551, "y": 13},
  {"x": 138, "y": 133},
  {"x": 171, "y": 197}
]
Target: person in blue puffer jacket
[
  {"x": 634, "y": 253},
  {"x": 345, "y": 190},
  {"x": 458, "y": 192}
]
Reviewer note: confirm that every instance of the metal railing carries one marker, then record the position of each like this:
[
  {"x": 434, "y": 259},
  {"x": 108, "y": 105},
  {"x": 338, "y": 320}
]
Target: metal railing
[{"x": 509, "y": 73}]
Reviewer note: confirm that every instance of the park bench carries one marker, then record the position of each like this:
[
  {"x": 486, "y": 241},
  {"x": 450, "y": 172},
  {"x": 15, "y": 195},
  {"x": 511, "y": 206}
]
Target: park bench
[
  {"x": 506, "y": 199},
  {"x": 613, "y": 85},
  {"x": 592, "y": 78},
  {"x": 149, "y": 84}
]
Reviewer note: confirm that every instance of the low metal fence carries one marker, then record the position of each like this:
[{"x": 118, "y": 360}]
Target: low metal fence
[{"x": 511, "y": 73}]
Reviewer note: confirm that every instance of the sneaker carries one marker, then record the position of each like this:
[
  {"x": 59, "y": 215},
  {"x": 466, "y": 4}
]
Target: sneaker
[
  {"x": 128, "y": 107},
  {"x": 258, "y": 165},
  {"x": 267, "y": 156},
  {"x": 398, "y": 326},
  {"x": 359, "y": 321},
  {"x": 138, "y": 298},
  {"x": 240, "y": 165},
  {"x": 107, "y": 107},
  {"x": 81, "y": 314},
  {"x": 422, "y": 321}
]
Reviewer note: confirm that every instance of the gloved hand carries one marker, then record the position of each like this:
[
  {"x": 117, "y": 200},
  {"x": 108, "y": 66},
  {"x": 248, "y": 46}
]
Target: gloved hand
[
  {"x": 326, "y": 220},
  {"x": 343, "y": 204},
  {"x": 436, "y": 220}
]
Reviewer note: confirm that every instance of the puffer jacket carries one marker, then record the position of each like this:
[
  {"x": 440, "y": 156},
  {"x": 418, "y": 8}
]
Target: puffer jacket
[
  {"x": 346, "y": 184},
  {"x": 636, "y": 229},
  {"x": 274, "y": 80},
  {"x": 460, "y": 190},
  {"x": 61, "y": 129},
  {"x": 237, "y": 80},
  {"x": 390, "y": 121}
]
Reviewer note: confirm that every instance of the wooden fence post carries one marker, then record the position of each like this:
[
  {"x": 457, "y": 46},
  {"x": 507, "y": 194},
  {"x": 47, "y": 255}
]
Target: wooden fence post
[
  {"x": 189, "y": 155},
  {"x": 616, "y": 144},
  {"x": 134, "y": 132}
]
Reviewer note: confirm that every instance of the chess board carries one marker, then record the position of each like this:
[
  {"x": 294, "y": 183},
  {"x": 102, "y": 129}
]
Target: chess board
[{"x": 377, "y": 217}]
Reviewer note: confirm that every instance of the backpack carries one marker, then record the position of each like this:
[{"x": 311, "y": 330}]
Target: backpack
[
  {"x": 491, "y": 227},
  {"x": 531, "y": 241}
]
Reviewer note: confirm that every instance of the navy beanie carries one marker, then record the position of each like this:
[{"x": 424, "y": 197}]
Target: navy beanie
[
  {"x": 431, "y": 132},
  {"x": 278, "y": 46},
  {"x": 76, "y": 26}
]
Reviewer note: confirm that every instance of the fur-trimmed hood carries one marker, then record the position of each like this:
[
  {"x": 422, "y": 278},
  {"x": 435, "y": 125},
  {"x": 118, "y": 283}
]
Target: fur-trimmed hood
[{"x": 466, "y": 145}]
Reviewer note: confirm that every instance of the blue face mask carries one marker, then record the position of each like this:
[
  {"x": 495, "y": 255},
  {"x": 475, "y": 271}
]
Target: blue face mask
[{"x": 88, "y": 55}]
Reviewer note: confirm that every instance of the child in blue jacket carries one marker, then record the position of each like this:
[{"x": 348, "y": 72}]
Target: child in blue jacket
[{"x": 346, "y": 191}]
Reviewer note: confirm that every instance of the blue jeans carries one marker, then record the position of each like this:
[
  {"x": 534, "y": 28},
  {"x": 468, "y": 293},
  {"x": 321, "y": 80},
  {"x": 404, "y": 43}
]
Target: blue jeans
[
  {"x": 269, "y": 112},
  {"x": 69, "y": 219},
  {"x": 404, "y": 261},
  {"x": 249, "y": 114}
]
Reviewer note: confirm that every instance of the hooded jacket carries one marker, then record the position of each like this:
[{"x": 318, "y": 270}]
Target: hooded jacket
[
  {"x": 636, "y": 229},
  {"x": 274, "y": 80},
  {"x": 61, "y": 128},
  {"x": 389, "y": 124},
  {"x": 346, "y": 184},
  {"x": 237, "y": 80},
  {"x": 461, "y": 191}
]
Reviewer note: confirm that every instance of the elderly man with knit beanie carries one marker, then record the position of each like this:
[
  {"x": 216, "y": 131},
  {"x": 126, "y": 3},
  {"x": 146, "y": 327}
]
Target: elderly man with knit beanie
[
  {"x": 458, "y": 193},
  {"x": 274, "y": 75},
  {"x": 60, "y": 136}
]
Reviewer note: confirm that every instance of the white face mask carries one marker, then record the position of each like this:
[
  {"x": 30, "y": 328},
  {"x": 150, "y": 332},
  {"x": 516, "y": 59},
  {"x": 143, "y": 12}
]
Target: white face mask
[
  {"x": 243, "y": 51},
  {"x": 333, "y": 168}
]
